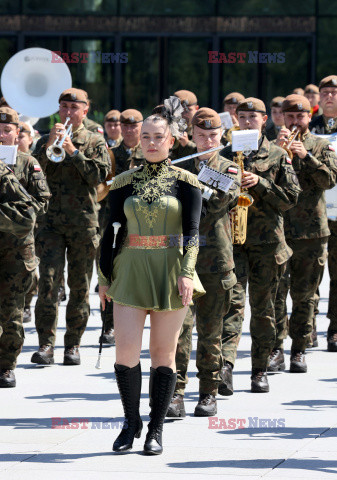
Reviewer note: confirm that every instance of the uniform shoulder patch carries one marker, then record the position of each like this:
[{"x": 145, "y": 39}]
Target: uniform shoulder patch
[
  {"x": 232, "y": 170},
  {"x": 289, "y": 161},
  {"x": 331, "y": 148}
]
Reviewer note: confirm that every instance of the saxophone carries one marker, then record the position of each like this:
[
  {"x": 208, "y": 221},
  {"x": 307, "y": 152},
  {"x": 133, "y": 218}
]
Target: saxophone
[{"x": 239, "y": 214}]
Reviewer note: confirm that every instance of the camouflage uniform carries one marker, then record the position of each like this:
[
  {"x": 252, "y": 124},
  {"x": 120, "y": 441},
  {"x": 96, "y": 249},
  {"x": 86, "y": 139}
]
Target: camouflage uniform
[
  {"x": 30, "y": 175},
  {"x": 307, "y": 231},
  {"x": 320, "y": 126},
  {"x": 70, "y": 226},
  {"x": 124, "y": 156},
  {"x": 261, "y": 260},
  {"x": 93, "y": 126},
  {"x": 17, "y": 218},
  {"x": 178, "y": 151},
  {"x": 215, "y": 269}
]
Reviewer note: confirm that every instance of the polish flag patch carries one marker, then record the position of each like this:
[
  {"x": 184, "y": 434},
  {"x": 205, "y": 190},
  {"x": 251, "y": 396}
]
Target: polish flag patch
[
  {"x": 37, "y": 168},
  {"x": 232, "y": 170},
  {"x": 100, "y": 130},
  {"x": 331, "y": 148},
  {"x": 289, "y": 161}
]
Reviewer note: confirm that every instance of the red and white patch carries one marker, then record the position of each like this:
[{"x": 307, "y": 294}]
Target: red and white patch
[
  {"x": 232, "y": 170},
  {"x": 100, "y": 130},
  {"x": 289, "y": 161},
  {"x": 37, "y": 168},
  {"x": 331, "y": 148}
]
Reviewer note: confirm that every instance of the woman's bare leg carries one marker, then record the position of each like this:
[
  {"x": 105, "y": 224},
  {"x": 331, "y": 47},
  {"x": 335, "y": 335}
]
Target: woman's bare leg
[
  {"x": 165, "y": 329},
  {"x": 129, "y": 326}
]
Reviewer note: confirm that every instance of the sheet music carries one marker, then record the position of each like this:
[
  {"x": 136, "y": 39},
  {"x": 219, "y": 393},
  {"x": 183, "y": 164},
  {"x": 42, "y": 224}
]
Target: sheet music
[
  {"x": 226, "y": 120},
  {"x": 215, "y": 179},
  {"x": 245, "y": 140},
  {"x": 8, "y": 154}
]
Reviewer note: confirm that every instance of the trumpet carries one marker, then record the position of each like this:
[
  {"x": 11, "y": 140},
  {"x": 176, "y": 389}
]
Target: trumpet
[
  {"x": 295, "y": 131},
  {"x": 56, "y": 152}
]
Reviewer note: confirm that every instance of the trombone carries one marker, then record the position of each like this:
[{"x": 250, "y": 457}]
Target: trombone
[{"x": 56, "y": 152}]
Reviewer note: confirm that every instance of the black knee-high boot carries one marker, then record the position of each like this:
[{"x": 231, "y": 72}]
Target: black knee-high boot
[
  {"x": 162, "y": 383},
  {"x": 129, "y": 381}
]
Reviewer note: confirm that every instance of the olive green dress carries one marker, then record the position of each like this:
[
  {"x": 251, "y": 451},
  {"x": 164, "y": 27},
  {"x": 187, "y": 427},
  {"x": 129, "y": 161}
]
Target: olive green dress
[{"x": 159, "y": 207}]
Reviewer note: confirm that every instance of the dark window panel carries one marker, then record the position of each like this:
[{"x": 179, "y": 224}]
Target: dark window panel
[
  {"x": 267, "y": 7},
  {"x": 168, "y": 7},
  {"x": 8, "y": 7},
  {"x": 326, "y": 52},
  {"x": 188, "y": 68},
  {"x": 8, "y": 48},
  {"x": 70, "y": 7},
  {"x": 140, "y": 75}
]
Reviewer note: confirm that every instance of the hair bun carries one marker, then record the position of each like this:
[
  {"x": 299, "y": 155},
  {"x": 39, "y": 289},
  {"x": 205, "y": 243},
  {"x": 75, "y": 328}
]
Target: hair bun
[{"x": 172, "y": 111}]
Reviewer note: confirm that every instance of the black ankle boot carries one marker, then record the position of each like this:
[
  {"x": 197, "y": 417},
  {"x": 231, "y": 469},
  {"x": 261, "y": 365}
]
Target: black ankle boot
[
  {"x": 129, "y": 381},
  {"x": 162, "y": 384}
]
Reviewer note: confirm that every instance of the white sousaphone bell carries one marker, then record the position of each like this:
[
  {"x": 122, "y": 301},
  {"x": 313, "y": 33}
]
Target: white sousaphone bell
[{"x": 32, "y": 82}]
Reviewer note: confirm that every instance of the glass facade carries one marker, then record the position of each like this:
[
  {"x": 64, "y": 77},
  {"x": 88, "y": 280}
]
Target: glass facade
[{"x": 167, "y": 45}]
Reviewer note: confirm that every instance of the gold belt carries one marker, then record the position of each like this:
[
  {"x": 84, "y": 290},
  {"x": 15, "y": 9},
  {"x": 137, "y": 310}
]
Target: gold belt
[{"x": 153, "y": 241}]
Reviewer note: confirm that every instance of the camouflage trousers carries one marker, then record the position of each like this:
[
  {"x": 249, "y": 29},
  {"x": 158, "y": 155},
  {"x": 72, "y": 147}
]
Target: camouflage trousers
[
  {"x": 15, "y": 281},
  {"x": 261, "y": 266},
  {"x": 33, "y": 290},
  {"x": 303, "y": 277},
  {"x": 332, "y": 265},
  {"x": 103, "y": 219},
  {"x": 79, "y": 244},
  {"x": 210, "y": 309}
]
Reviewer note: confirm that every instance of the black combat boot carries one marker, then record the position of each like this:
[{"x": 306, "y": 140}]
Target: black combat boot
[
  {"x": 297, "y": 362},
  {"x": 206, "y": 406},
  {"x": 129, "y": 381},
  {"x": 176, "y": 408},
  {"x": 108, "y": 337},
  {"x": 313, "y": 342},
  {"x": 259, "y": 381},
  {"x": 276, "y": 361},
  {"x": 72, "y": 355},
  {"x": 7, "y": 378},
  {"x": 226, "y": 386},
  {"x": 44, "y": 355},
  {"x": 27, "y": 315},
  {"x": 332, "y": 341},
  {"x": 162, "y": 384}
]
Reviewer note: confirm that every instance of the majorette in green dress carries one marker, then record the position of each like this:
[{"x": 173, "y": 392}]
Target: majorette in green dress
[{"x": 159, "y": 208}]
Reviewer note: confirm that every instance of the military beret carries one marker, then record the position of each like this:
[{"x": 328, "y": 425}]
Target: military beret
[
  {"x": 330, "y": 81},
  {"x": 233, "y": 98},
  {"x": 112, "y": 116},
  {"x": 276, "y": 102},
  {"x": 3, "y": 102},
  {"x": 24, "y": 127},
  {"x": 206, "y": 118},
  {"x": 298, "y": 91},
  {"x": 296, "y": 103},
  {"x": 131, "y": 116},
  {"x": 74, "y": 95},
  {"x": 8, "y": 115},
  {"x": 311, "y": 88},
  {"x": 186, "y": 97},
  {"x": 252, "y": 104}
]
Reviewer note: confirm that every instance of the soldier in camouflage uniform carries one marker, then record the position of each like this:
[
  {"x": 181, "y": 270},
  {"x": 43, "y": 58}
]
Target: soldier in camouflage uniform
[
  {"x": 306, "y": 228},
  {"x": 17, "y": 219},
  {"x": 129, "y": 153},
  {"x": 184, "y": 145},
  {"x": 230, "y": 102},
  {"x": 260, "y": 261},
  {"x": 326, "y": 124},
  {"x": 113, "y": 129},
  {"x": 311, "y": 92},
  {"x": 70, "y": 227},
  {"x": 30, "y": 174},
  {"x": 215, "y": 269},
  {"x": 277, "y": 123}
]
